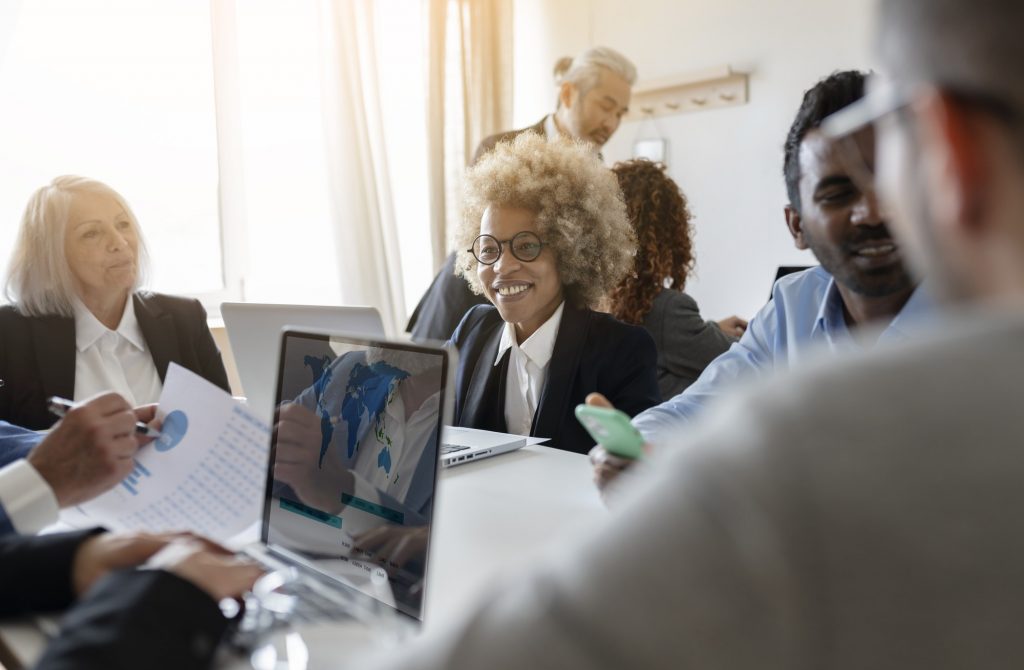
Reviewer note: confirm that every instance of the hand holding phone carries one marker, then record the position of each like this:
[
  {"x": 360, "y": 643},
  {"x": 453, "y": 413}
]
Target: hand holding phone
[{"x": 611, "y": 429}]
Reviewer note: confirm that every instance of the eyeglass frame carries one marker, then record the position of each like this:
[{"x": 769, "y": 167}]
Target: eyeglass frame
[
  {"x": 501, "y": 247},
  {"x": 888, "y": 97}
]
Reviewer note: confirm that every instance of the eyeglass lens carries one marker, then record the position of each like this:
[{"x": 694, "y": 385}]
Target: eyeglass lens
[{"x": 525, "y": 246}]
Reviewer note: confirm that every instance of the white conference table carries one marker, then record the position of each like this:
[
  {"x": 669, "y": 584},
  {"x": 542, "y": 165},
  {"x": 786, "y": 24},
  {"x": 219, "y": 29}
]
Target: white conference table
[{"x": 491, "y": 517}]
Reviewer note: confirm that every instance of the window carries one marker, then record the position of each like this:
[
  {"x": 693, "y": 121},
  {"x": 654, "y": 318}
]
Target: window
[{"x": 120, "y": 91}]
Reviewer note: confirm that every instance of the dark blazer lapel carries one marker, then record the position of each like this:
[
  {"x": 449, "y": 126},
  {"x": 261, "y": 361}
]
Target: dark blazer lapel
[
  {"x": 478, "y": 399},
  {"x": 55, "y": 352},
  {"x": 565, "y": 361},
  {"x": 161, "y": 336}
]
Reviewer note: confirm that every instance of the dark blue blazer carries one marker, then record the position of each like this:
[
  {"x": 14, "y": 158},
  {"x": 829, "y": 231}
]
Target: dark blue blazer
[
  {"x": 16, "y": 442},
  {"x": 593, "y": 352}
]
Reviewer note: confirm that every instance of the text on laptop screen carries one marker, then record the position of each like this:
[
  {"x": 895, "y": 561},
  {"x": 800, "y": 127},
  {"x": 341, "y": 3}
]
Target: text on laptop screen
[{"x": 354, "y": 460}]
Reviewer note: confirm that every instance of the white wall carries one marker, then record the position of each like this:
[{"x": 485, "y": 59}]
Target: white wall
[{"x": 728, "y": 162}]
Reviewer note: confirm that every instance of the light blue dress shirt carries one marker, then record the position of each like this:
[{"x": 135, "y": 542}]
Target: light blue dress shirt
[{"x": 804, "y": 316}]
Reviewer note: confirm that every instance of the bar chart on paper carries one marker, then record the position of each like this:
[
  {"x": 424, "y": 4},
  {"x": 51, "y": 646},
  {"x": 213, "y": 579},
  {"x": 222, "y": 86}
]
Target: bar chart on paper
[
  {"x": 131, "y": 482},
  {"x": 206, "y": 473}
]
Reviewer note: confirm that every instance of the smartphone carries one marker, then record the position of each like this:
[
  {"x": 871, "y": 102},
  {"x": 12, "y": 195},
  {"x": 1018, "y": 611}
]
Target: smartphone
[{"x": 612, "y": 430}]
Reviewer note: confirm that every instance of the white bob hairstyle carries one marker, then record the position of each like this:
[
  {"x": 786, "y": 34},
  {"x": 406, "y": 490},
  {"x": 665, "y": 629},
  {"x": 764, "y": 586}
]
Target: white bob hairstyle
[
  {"x": 39, "y": 280},
  {"x": 584, "y": 71}
]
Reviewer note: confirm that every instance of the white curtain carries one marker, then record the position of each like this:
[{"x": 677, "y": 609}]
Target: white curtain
[
  {"x": 469, "y": 96},
  {"x": 366, "y": 234}
]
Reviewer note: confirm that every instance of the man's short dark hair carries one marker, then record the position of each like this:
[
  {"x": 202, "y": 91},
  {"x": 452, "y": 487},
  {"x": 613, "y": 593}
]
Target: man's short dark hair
[{"x": 826, "y": 97}]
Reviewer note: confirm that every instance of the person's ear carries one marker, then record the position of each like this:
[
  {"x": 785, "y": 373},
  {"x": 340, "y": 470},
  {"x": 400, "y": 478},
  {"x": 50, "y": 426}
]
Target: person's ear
[
  {"x": 567, "y": 94},
  {"x": 953, "y": 165},
  {"x": 795, "y": 225}
]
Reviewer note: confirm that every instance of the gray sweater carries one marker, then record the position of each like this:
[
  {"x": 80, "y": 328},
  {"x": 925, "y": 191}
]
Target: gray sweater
[{"x": 864, "y": 514}]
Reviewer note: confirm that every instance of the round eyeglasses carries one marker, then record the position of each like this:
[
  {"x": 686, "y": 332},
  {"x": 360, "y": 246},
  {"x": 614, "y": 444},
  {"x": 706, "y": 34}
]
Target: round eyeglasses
[{"x": 525, "y": 246}]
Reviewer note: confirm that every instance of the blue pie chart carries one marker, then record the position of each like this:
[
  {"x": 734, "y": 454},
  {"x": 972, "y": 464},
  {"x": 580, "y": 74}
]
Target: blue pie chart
[{"x": 171, "y": 433}]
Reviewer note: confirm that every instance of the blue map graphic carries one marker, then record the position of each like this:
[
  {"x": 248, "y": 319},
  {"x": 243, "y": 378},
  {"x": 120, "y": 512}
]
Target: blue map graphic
[
  {"x": 384, "y": 459},
  {"x": 368, "y": 390},
  {"x": 171, "y": 433},
  {"x": 320, "y": 367},
  {"x": 367, "y": 393}
]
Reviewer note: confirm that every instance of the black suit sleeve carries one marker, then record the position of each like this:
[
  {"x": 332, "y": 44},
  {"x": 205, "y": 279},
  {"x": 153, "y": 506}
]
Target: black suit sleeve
[
  {"x": 138, "y": 619},
  {"x": 35, "y": 572},
  {"x": 211, "y": 365},
  {"x": 636, "y": 387},
  {"x": 443, "y": 305}
]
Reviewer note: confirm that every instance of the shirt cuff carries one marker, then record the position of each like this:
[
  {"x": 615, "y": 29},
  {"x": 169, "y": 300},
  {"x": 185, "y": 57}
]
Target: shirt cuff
[{"x": 27, "y": 499}]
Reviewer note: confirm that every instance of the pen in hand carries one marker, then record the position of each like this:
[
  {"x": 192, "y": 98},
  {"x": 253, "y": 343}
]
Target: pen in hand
[{"x": 60, "y": 406}]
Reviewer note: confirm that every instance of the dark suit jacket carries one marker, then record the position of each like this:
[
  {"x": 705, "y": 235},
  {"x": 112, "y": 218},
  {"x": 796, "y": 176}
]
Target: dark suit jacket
[
  {"x": 593, "y": 352},
  {"x": 443, "y": 305},
  {"x": 37, "y": 354},
  {"x": 130, "y": 619},
  {"x": 686, "y": 342},
  {"x": 490, "y": 142},
  {"x": 449, "y": 298}
]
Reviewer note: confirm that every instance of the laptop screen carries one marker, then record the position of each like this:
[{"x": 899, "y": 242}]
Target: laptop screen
[{"x": 353, "y": 460}]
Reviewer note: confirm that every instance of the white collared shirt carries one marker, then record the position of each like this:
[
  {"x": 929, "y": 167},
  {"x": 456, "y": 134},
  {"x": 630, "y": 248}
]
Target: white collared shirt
[
  {"x": 550, "y": 129},
  {"x": 527, "y": 371},
  {"x": 113, "y": 360},
  {"x": 27, "y": 499}
]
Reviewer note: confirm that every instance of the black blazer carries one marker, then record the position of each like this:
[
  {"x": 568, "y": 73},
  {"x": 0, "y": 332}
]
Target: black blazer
[
  {"x": 37, "y": 354},
  {"x": 593, "y": 352},
  {"x": 123, "y": 623}
]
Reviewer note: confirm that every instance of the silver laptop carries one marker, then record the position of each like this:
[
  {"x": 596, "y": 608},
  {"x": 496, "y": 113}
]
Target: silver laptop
[
  {"x": 351, "y": 475},
  {"x": 462, "y": 445},
  {"x": 254, "y": 330}
]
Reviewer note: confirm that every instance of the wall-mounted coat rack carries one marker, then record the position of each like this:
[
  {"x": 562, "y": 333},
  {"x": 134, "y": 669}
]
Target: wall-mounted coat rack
[{"x": 712, "y": 88}]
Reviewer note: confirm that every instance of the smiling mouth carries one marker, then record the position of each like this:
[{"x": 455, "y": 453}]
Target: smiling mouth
[
  {"x": 876, "y": 250},
  {"x": 514, "y": 291}
]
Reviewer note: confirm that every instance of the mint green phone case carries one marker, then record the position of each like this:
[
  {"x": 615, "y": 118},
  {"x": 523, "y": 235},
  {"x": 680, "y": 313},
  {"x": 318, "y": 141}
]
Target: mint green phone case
[{"x": 612, "y": 430}]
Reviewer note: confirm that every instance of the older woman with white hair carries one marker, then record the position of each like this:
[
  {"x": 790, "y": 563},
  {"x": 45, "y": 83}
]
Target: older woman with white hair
[
  {"x": 78, "y": 323},
  {"x": 544, "y": 237}
]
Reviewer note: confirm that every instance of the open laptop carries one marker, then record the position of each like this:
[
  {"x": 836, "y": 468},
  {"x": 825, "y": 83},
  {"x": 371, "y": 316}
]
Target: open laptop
[
  {"x": 352, "y": 474},
  {"x": 461, "y": 445},
  {"x": 254, "y": 330}
]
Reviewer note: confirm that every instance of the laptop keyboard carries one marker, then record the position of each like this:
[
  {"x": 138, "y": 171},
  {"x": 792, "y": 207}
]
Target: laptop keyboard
[
  {"x": 309, "y": 603},
  {"x": 452, "y": 448}
]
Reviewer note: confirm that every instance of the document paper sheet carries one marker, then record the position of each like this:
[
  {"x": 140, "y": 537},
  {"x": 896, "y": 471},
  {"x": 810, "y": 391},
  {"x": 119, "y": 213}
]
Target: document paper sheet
[{"x": 207, "y": 472}]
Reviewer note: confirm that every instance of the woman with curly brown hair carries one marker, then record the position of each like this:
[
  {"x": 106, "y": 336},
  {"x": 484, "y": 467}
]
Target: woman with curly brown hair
[
  {"x": 544, "y": 237},
  {"x": 653, "y": 294}
]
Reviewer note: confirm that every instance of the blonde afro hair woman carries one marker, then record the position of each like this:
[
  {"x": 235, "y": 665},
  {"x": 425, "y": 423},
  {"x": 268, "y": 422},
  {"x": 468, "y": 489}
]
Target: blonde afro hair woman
[{"x": 580, "y": 212}]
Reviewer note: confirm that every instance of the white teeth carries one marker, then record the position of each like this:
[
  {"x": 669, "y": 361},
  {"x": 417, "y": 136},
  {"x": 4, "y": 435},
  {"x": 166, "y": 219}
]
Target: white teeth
[
  {"x": 511, "y": 290},
  {"x": 877, "y": 251}
]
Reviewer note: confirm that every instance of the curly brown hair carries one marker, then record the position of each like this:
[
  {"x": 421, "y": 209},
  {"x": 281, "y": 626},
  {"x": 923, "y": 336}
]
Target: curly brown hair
[{"x": 660, "y": 216}]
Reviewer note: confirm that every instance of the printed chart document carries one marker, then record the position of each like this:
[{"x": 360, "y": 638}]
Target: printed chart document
[{"x": 206, "y": 473}]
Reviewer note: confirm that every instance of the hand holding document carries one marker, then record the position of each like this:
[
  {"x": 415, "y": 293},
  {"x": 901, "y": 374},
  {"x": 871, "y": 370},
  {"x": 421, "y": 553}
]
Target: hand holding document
[{"x": 206, "y": 472}]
